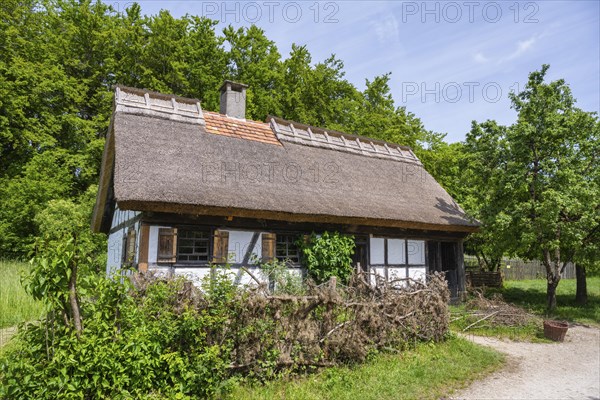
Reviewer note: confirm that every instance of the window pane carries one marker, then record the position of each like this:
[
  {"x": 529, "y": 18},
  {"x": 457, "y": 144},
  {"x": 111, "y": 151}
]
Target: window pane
[
  {"x": 193, "y": 246},
  {"x": 416, "y": 252},
  {"x": 376, "y": 249},
  {"x": 286, "y": 248},
  {"x": 396, "y": 251}
]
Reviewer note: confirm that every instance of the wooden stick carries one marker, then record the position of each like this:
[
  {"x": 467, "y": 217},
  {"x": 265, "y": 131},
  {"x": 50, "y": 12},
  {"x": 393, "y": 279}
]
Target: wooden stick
[
  {"x": 335, "y": 328},
  {"x": 480, "y": 320}
]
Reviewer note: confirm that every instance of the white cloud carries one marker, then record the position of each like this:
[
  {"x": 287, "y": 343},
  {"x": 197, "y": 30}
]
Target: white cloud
[
  {"x": 522, "y": 48},
  {"x": 480, "y": 58},
  {"x": 386, "y": 29}
]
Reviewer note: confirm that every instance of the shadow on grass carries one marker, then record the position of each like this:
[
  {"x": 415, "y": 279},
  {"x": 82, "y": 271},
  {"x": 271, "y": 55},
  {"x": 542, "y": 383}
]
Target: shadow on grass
[{"x": 531, "y": 295}]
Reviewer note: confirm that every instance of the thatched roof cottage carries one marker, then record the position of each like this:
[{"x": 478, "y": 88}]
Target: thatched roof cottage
[{"x": 181, "y": 187}]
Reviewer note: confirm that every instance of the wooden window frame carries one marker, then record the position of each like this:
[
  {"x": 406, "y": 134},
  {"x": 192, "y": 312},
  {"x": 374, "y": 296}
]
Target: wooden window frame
[
  {"x": 296, "y": 261},
  {"x": 209, "y": 246},
  {"x": 405, "y": 265}
]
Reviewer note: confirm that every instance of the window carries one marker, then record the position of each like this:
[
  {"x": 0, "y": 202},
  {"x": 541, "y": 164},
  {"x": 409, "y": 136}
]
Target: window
[
  {"x": 193, "y": 246},
  {"x": 286, "y": 248},
  {"x": 387, "y": 251},
  {"x": 128, "y": 250}
]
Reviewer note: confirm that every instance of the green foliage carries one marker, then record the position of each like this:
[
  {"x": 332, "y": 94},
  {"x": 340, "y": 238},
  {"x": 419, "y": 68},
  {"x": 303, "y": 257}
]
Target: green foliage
[
  {"x": 530, "y": 294},
  {"x": 327, "y": 255},
  {"x": 134, "y": 345},
  {"x": 535, "y": 184},
  {"x": 282, "y": 280},
  {"x": 66, "y": 218}
]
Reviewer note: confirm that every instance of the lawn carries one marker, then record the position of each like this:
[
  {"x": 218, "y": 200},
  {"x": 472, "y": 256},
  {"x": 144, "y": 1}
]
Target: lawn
[
  {"x": 430, "y": 371},
  {"x": 16, "y": 305},
  {"x": 531, "y": 295}
]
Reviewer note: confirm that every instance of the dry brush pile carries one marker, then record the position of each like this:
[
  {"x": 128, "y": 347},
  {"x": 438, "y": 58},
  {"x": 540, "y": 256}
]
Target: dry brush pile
[
  {"x": 328, "y": 325},
  {"x": 495, "y": 312}
]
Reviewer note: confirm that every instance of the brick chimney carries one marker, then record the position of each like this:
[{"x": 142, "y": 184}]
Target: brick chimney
[{"x": 233, "y": 99}]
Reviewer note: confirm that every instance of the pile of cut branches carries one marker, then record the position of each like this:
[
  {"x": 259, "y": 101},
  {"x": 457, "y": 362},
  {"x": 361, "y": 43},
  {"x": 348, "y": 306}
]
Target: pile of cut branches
[
  {"x": 328, "y": 325},
  {"x": 494, "y": 311}
]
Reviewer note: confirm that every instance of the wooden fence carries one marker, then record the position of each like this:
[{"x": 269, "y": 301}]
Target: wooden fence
[{"x": 519, "y": 269}]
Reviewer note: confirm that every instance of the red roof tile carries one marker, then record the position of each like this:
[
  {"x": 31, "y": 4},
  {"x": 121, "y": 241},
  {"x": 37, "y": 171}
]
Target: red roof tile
[{"x": 250, "y": 130}]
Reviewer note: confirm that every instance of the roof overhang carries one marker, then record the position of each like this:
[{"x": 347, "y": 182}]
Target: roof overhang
[{"x": 192, "y": 209}]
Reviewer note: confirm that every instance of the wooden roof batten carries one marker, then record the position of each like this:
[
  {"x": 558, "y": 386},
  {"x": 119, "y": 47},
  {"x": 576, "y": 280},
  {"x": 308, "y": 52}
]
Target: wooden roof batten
[
  {"x": 152, "y": 104},
  {"x": 289, "y": 131}
]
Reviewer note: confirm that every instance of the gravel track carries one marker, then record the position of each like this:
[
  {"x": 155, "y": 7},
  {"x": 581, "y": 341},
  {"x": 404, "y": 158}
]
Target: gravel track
[{"x": 568, "y": 370}]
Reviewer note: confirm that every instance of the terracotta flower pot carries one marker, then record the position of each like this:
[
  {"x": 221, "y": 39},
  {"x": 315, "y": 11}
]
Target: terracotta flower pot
[{"x": 555, "y": 330}]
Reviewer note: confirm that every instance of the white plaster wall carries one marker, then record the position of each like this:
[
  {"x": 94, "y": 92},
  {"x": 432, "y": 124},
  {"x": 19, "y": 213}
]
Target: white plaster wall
[
  {"x": 396, "y": 273},
  {"x": 115, "y": 239},
  {"x": 115, "y": 252},
  {"x": 239, "y": 241},
  {"x": 417, "y": 273},
  {"x": 193, "y": 274},
  {"x": 153, "y": 244},
  {"x": 377, "y": 272},
  {"x": 120, "y": 216}
]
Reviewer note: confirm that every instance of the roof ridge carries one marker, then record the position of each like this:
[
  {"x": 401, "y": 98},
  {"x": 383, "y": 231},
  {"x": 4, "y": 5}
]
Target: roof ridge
[
  {"x": 145, "y": 102},
  {"x": 308, "y": 135}
]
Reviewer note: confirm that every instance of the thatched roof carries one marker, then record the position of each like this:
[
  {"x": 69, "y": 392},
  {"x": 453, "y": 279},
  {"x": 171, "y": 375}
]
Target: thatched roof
[{"x": 217, "y": 165}]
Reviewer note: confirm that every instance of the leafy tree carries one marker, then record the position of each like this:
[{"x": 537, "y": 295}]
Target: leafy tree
[
  {"x": 543, "y": 177},
  {"x": 254, "y": 60},
  {"x": 481, "y": 167}
]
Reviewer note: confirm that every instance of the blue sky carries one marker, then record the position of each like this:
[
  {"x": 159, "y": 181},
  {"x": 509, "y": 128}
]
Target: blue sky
[{"x": 451, "y": 62}]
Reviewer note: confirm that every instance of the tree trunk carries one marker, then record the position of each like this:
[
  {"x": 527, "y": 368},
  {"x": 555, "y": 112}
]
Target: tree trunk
[
  {"x": 552, "y": 277},
  {"x": 581, "y": 296},
  {"x": 551, "y": 294},
  {"x": 73, "y": 298}
]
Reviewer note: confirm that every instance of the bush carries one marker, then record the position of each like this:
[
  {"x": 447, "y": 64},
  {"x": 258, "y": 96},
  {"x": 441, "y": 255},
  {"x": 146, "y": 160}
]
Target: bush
[
  {"x": 328, "y": 255},
  {"x": 164, "y": 338},
  {"x": 135, "y": 342}
]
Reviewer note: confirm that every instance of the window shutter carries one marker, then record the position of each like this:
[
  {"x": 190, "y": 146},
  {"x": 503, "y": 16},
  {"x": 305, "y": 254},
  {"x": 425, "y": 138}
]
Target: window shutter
[
  {"x": 268, "y": 247},
  {"x": 143, "y": 251},
  {"x": 130, "y": 246},
  {"x": 167, "y": 245},
  {"x": 220, "y": 246}
]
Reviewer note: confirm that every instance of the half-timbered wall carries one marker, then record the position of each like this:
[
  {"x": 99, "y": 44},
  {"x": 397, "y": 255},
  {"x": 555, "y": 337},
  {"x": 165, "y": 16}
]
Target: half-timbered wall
[
  {"x": 123, "y": 222},
  {"x": 388, "y": 256}
]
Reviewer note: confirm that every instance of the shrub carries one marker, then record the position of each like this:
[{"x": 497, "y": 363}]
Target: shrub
[
  {"x": 149, "y": 337},
  {"x": 327, "y": 255}
]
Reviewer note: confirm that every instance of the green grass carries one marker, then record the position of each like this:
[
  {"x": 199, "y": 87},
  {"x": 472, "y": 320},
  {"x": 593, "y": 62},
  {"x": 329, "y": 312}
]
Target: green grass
[
  {"x": 16, "y": 306},
  {"x": 531, "y": 332},
  {"x": 531, "y": 295},
  {"x": 430, "y": 371}
]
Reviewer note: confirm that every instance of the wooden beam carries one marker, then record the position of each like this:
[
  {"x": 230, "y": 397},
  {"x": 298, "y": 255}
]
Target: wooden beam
[
  {"x": 144, "y": 245},
  {"x": 283, "y": 226},
  {"x": 190, "y": 209}
]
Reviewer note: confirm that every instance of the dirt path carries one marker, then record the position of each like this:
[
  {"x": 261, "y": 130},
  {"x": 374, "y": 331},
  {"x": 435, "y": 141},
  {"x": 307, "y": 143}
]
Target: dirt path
[{"x": 568, "y": 370}]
